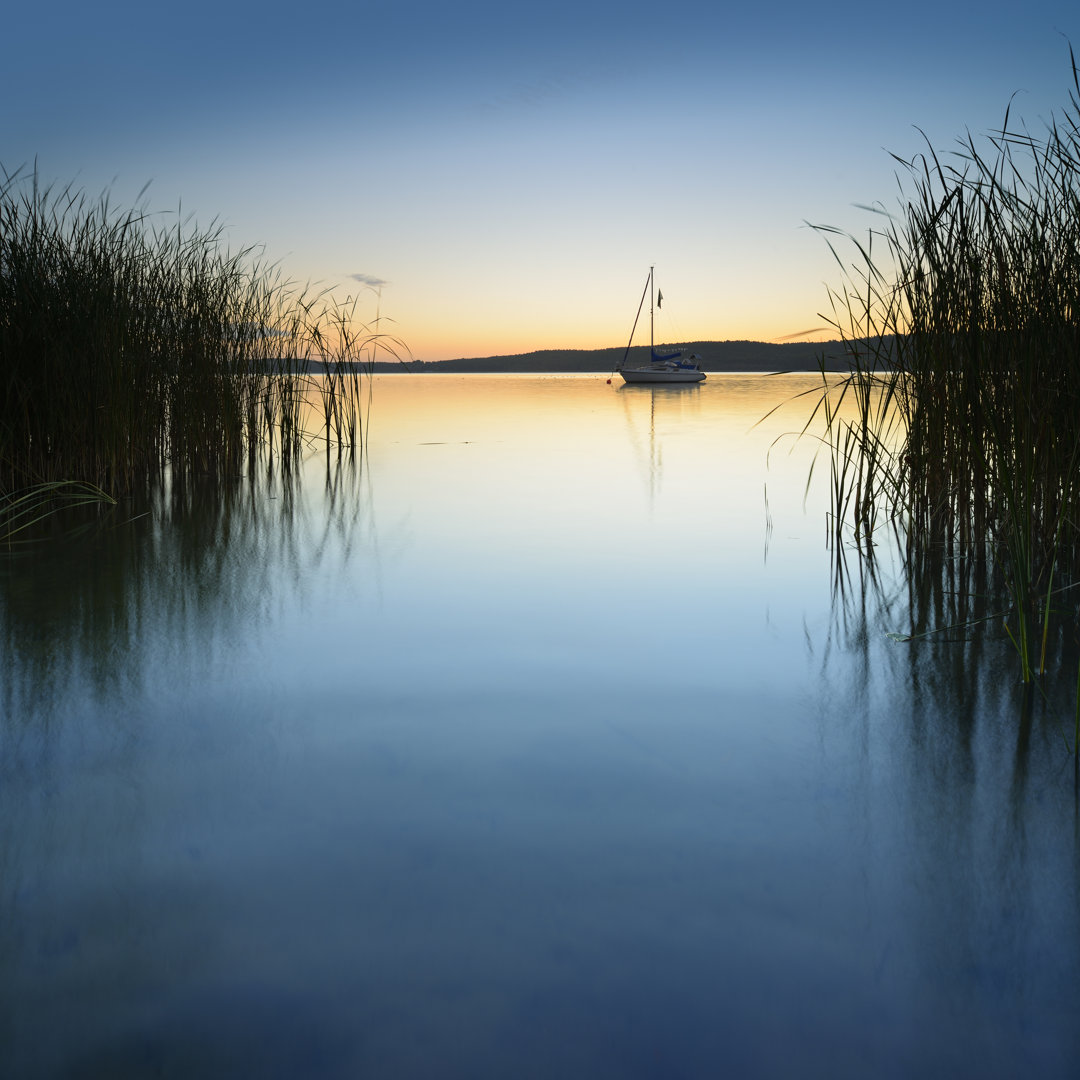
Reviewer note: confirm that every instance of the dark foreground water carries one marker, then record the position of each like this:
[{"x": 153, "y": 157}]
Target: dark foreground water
[{"x": 544, "y": 745}]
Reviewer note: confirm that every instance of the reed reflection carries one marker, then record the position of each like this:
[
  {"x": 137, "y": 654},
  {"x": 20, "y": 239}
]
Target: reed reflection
[
  {"x": 88, "y": 603},
  {"x": 966, "y": 780},
  {"x": 974, "y": 743},
  {"x": 108, "y": 621}
]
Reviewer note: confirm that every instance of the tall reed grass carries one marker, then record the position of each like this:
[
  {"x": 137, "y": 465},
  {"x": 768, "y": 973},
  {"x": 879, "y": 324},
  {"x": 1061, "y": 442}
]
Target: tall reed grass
[
  {"x": 961, "y": 322},
  {"x": 131, "y": 343}
]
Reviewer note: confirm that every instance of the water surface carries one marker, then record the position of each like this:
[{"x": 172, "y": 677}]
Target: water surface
[{"x": 542, "y": 744}]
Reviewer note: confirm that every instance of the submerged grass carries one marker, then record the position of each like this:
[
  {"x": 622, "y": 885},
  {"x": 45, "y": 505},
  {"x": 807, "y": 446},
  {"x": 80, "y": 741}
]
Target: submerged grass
[
  {"x": 128, "y": 346},
  {"x": 22, "y": 510},
  {"x": 961, "y": 323}
]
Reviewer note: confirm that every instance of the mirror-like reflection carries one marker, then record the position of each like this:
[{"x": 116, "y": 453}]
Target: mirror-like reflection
[
  {"x": 506, "y": 752},
  {"x": 192, "y": 568}
]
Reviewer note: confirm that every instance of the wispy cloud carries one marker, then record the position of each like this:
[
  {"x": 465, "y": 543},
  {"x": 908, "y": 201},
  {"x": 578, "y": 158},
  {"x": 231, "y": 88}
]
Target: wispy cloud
[
  {"x": 369, "y": 279},
  {"x": 558, "y": 84}
]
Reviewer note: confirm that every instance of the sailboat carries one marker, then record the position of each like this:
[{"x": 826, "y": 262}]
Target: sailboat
[{"x": 670, "y": 367}]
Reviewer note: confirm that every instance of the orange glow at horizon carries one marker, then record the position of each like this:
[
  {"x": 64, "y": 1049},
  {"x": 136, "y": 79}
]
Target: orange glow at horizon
[
  {"x": 455, "y": 344},
  {"x": 517, "y": 319}
]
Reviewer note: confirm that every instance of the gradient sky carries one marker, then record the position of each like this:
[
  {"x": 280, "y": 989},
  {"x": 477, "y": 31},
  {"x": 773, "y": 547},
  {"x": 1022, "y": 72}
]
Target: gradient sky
[{"x": 511, "y": 171}]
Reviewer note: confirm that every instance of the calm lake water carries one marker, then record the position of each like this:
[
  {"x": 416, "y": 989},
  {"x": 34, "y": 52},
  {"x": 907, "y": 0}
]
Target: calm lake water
[{"x": 543, "y": 745}]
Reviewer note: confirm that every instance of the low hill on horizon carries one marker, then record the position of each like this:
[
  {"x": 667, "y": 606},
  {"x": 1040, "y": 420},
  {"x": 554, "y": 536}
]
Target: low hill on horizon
[{"x": 715, "y": 356}]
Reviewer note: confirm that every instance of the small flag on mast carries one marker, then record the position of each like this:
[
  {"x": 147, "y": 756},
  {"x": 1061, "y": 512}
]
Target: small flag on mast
[{"x": 659, "y": 299}]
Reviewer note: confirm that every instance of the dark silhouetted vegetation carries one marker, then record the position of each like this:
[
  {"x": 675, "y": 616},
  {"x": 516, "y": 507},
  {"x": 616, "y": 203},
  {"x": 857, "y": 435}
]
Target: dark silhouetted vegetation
[
  {"x": 132, "y": 343},
  {"x": 962, "y": 321}
]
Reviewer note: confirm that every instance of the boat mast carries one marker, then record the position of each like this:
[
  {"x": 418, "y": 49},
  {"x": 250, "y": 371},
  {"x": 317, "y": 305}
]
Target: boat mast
[{"x": 652, "y": 291}]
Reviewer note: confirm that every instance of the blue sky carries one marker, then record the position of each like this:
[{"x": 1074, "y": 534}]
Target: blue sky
[{"x": 512, "y": 171}]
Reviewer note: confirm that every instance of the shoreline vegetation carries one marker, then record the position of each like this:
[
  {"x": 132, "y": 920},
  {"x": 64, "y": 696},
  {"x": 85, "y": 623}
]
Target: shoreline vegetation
[
  {"x": 132, "y": 343},
  {"x": 962, "y": 318}
]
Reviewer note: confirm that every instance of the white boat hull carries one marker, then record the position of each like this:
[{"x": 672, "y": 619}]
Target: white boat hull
[{"x": 661, "y": 375}]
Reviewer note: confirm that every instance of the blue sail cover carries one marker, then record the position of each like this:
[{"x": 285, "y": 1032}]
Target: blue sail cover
[{"x": 660, "y": 357}]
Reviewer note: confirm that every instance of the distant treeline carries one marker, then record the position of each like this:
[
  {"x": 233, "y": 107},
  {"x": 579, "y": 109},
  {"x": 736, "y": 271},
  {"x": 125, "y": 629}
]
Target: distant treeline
[{"x": 715, "y": 356}]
